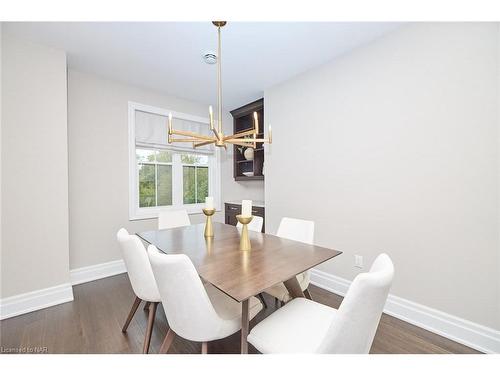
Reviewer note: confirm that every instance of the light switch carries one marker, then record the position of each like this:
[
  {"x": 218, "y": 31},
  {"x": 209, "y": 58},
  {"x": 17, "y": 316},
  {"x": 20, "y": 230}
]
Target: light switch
[{"x": 358, "y": 261}]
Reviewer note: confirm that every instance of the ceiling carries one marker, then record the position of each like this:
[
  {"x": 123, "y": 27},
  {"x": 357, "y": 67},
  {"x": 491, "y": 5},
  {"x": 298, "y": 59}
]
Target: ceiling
[{"x": 168, "y": 56}]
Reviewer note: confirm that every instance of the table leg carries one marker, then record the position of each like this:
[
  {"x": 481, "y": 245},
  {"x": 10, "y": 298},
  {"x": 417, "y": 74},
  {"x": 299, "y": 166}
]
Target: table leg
[
  {"x": 293, "y": 287},
  {"x": 244, "y": 327}
]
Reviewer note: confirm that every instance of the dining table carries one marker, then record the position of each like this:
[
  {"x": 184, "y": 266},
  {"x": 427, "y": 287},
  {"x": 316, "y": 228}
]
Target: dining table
[{"x": 241, "y": 274}]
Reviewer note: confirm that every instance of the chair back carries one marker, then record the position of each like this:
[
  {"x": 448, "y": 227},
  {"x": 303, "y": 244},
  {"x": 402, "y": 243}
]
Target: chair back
[
  {"x": 296, "y": 230},
  {"x": 138, "y": 267},
  {"x": 189, "y": 311},
  {"x": 255, "y": 225},
  {"x": 354, "y": 326},
  {"x": 173, "y": 218}
]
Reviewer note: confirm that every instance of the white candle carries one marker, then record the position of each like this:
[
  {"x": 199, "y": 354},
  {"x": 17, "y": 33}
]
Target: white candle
[
  {"x": 256, "y": 122},
  {"x": 246, "y": 208},
  {"x": 211, "y": 113},
  {"x": 170, "y": 123},
  {"x": 209, "y": 203}
]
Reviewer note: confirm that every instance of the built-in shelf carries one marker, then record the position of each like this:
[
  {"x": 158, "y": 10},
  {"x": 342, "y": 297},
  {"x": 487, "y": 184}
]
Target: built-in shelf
[
  {"x": 247, "y": 178},
  {"x": 243, "y": 121}
]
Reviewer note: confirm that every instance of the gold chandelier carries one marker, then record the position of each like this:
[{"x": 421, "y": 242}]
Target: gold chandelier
[{"x": 246, "y": 138}]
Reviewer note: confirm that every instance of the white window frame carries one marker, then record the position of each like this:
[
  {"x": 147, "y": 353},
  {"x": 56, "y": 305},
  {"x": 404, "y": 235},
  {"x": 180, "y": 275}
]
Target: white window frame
[{"x": 214, "y": 164}]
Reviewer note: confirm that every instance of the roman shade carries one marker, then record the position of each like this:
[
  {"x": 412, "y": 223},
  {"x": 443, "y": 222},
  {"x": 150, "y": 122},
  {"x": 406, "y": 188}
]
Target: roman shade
[{"x": 151, "y": 131}]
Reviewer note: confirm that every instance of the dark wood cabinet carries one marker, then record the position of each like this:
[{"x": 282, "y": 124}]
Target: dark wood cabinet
[
  {"x": 231, "y": 210},
  {"x": 243, "y": 120}
]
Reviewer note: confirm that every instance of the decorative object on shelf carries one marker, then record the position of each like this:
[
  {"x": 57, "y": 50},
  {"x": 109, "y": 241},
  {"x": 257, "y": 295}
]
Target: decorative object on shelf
[
  {"x": 248, "y": 174},
  {"x": 248, "y": 153},
  {"x": 219, "y": 139},
  {"x": 209, "y": 210},
  {"x": 245, "y": 244}
]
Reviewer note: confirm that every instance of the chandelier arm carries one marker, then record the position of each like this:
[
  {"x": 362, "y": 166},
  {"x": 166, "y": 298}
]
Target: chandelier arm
[
  {"x": 187, "y": 140},
  {"x": 236, "y": 143},
  {"x": 217, "y": 135},
  {"x": 199, "y": 144},
  {"x": 244, "y": 145},
  {"x": 211, "y": 125},
  {"x": 191, "y": 134},
  {"x": 239, "y": 135},
  {"x": 251, "y": 140}
]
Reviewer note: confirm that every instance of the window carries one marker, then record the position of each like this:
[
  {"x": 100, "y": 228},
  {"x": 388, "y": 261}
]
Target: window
[
  {"x": 155, "y": 177},
  {"x": 195, "y": 177},
  {"x": 168, "y": 176}
]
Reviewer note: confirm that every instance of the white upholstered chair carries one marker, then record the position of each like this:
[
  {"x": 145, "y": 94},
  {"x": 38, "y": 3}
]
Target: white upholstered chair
[
  {"x": 195, "y": 311},
  {"x": 141, "y": 277},
  {"x": 173, "y": 219},
  {"x": 321, "y": 329},
  {"x": 255, "y": 225},
  {"x": 296, "y": 230}
]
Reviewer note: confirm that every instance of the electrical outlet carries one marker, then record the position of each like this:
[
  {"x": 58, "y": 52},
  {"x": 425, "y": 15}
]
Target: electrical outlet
[{"x": 358, "y": 261}]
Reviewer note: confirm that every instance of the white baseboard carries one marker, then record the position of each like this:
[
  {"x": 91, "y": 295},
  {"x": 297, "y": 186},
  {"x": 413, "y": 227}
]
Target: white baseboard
[
  {"x": 36, "y": 300},
  {"x": 43, "y": 298},
  {"x": 476, "y": 336},
  {"x": 96, "y": 272}
]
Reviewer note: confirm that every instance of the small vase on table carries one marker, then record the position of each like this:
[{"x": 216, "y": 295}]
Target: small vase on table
[
  {"x": 244, "y": 239},
  {"x": 209, "y": 210},
  {"x": 244, "y": 219}
]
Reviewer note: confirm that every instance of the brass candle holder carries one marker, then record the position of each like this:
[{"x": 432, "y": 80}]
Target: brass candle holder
[
  {"x": 209, "y": 230},
  {"x": 244, "y": 239}
]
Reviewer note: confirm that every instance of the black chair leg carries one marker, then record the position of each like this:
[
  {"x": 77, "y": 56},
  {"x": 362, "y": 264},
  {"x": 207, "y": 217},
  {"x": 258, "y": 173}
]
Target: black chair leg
[
  {"x": 308, "y": 294},
  {"x": 131, "y": 313},
  {"x": 149, "y": 329},
  {"x": 261, "y": 297}
]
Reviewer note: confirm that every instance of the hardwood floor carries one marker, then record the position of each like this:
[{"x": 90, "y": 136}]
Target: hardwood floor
[{"x": 92, "y": 324}]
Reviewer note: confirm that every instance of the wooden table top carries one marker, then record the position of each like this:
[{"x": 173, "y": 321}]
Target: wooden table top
[{"x": 239, "y": 274}]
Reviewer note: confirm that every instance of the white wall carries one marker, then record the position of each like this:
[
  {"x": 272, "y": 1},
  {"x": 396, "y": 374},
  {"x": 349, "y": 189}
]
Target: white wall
[
  {"x": 98, "y": 164},
  {"x": 35, "y": 250},
  {"x": 498, "y": 155},
  {"x": 1, "y": 48},
  {"x": 394, "y": 147}
]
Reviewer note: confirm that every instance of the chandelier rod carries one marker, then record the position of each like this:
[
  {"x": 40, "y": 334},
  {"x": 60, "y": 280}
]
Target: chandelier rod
[
  {"x": 248, "y": 138},
  {"x": 219, "y": 80}
]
